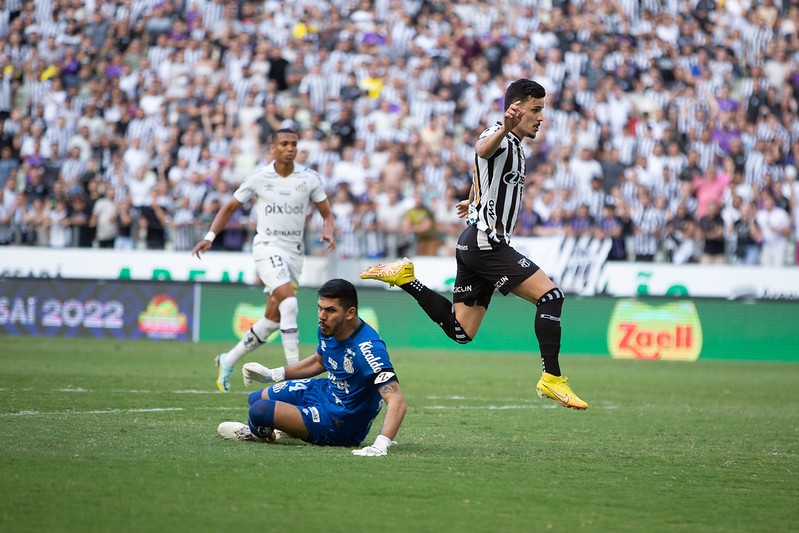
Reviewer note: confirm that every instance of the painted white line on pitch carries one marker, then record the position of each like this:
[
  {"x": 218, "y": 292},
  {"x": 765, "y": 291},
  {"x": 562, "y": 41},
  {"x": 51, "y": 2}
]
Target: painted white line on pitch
[
  {"x": 548, "y": 405},
  {"x": 134, "y": 391},
  {"x": 116, "y": 411},
  {"x": 489, "y": 407}
]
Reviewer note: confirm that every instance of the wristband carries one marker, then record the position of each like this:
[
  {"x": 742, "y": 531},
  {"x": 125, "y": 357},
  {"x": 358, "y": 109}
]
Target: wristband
[
  {"x": 210, "y": 236},
  {"x": 279, "y": 374},
  {"x": 382, "y": 442}
]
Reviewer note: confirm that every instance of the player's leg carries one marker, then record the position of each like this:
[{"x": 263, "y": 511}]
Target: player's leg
[
  {"x": 541, "y": 291},
  {"x": 279, "y": 270},
  {"x": 266, "y": 417},
  {"x": 440, "y": 310},
  {"x": 548, "y": 298},
  {"x": 286, "y": 308},
  {"x": 255, "y": 336}
]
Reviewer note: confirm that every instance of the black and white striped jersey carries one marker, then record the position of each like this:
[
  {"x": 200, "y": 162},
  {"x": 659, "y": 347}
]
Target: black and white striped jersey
[{"x": 498, "y": 187}]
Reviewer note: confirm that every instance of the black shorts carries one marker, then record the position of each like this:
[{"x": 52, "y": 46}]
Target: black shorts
[{"x": 485, "y": 265}]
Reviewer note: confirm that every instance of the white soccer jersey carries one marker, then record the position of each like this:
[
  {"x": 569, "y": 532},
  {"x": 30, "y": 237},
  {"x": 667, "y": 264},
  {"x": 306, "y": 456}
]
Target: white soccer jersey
[{"x": 282, "y": 203}]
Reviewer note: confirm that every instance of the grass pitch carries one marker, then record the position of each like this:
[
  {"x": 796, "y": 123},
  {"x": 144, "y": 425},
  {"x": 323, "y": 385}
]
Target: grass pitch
[{"x": 121, "y": 436}]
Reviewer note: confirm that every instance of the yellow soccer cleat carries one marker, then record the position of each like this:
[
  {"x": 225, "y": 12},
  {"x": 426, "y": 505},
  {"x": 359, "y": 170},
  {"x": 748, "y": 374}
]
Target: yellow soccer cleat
[
  {"x": 556, "y": 388},
  {"x": 398, "y": 273}
]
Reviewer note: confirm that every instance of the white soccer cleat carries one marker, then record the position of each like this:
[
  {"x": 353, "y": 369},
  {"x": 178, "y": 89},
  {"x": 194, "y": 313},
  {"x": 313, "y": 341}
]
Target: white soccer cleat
[
  {"x": 232, "y": 430},
  {"x": 223, "y": 380},
  {"x": 239, "y": 431}
]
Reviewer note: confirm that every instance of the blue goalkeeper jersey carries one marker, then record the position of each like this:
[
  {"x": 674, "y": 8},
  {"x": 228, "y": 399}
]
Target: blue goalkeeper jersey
[{"x": 357, "y": 367}]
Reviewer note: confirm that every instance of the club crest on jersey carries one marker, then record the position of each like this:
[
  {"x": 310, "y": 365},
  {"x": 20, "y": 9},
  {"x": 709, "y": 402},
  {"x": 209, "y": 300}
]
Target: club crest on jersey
[
  {"x": 348, "y": 367},
  {"x": 524, "y": 263},
  {"x": 302, "y": 187}
]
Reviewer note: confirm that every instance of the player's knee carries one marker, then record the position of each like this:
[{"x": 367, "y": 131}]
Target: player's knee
[
  {"x": 262, "y": 413},
  {"x": 255, "y": 396},
  {"x": 289, "y": 309},
  {"x": 459, "y": 335},
  {"x": 550, "y": 305}
]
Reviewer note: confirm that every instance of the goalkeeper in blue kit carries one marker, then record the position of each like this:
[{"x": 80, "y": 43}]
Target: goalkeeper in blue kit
[{"x": 333, "y": 411}]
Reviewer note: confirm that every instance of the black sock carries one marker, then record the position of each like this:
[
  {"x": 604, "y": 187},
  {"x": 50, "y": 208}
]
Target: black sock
[
  {"x": 438, "y": 308},
  {"x": 547, "y": 329}
]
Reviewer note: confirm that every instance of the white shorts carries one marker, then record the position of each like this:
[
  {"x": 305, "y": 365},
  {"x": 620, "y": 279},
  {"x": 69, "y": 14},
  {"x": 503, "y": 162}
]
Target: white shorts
[{"x": 277, "y": 266}]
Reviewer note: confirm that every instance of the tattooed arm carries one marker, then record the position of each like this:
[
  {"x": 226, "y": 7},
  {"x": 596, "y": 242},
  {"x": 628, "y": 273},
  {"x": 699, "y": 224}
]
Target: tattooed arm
[{"x": 395, "y": 409}]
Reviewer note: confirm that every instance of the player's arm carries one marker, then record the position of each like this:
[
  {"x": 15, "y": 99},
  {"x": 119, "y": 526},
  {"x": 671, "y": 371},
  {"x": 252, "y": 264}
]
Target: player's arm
[
  {"x": 220, "y": 222},
  {"x": 307, "y": 368},
  {"x": 488, "y": 145},
  {"x": 395, "y": 409},
  {"x": 328, "y": 228},
  {"x": 395, "y": 412},
  {"x": 462, "y": 207}
]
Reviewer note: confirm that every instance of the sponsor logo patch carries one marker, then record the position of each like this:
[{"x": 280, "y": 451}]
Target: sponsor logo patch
[
  {"x": 371, "y": 359},
  {"x": 382, "y": 377}
]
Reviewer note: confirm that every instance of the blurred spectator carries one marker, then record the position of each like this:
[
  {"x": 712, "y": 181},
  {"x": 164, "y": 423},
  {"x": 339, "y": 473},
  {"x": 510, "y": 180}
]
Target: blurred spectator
[
  {"x": 37, "y": 219},
  {"x": 792, "y": 186},
  {"x": 8, "y": 164},
  {"x": 775, "y": 226},
  {"x": 105, "y": 219},
  {"x": 610, "y": 226},
  {"x": 419, "y": 222},
  {"x": 6, "y": 212},
  {"x": 370, "y": 238},
  {"x": 344, "y": 209},
  {"x": 389, "y": 219},
  {"x": 647, "y": 227},
  {"x": 711, "y": 227},
  {"x": 79, "y": 214},
  {"x": 125, "y": 223},
  {"x": 581, "y": 222},
  {"x": 60, "y": 236},
  {"x": 747, "y": 236}
]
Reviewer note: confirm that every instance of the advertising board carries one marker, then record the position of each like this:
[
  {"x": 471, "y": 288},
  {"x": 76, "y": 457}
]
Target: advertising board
[{"x": 104, "y": 309}]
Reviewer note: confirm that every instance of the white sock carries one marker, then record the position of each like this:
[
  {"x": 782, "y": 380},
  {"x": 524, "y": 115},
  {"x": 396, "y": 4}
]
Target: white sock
[
  {"x": 255, "y": 337},
  {"x": 289, "y": 334}
]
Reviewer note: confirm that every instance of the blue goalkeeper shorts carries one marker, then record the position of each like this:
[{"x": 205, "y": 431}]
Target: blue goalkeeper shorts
[{"x": 322, "y": 417}]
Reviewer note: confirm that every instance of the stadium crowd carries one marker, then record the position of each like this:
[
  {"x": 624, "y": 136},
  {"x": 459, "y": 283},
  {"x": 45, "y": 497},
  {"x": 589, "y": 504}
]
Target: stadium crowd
[{"x": 671, "y": 126}]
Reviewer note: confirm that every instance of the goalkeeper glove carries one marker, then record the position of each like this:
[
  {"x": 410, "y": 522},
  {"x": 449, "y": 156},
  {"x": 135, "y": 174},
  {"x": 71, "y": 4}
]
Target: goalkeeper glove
[
  {"x": 258, "y": 372},
  {"x": 379, "y": 448}
]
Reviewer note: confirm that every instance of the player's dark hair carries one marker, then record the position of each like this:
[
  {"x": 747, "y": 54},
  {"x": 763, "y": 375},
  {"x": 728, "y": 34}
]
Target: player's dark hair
[
  {"x": 522, "y": 89},
  {"x": 341, "y": 289},
  {"x": 282, "y": 130}
]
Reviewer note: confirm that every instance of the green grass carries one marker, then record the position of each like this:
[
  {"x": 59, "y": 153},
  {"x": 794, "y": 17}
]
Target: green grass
[{"x": 120, "y": 436}]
